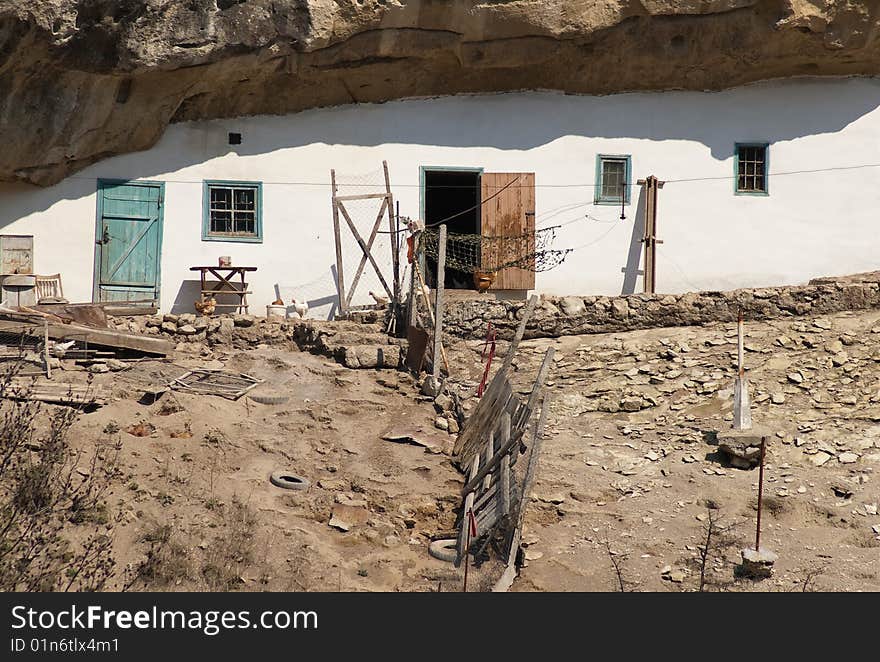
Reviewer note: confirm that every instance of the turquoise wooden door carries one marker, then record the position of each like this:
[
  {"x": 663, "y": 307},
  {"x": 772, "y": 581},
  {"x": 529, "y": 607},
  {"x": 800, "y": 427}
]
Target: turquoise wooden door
[{"x": 128, "y": 242}]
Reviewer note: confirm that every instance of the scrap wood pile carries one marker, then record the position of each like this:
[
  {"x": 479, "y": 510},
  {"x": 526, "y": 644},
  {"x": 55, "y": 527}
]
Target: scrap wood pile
[
  {"x": 57, "y": 337},
  {"x": 79, "y": 395},
  {"x": 491, "y": 442},
  {"x": 89, "y": 333}
]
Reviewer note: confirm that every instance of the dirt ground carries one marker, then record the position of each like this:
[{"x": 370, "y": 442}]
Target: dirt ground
[
  {"x": 629, "y": 479},
  {"x": 203, "y": 470}
]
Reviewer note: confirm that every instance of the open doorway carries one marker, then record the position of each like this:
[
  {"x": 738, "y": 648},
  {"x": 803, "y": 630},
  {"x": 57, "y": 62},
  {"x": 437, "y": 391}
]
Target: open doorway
[{"x": 452, "y": 196}]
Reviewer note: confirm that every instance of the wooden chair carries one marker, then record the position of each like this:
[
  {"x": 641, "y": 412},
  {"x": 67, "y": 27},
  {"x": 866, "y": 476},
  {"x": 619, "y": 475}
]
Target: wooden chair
[{"x": 49, "y": 290}]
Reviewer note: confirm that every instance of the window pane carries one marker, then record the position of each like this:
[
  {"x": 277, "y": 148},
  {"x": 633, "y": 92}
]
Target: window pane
[
  {"x": 613, "y": 179},
  {"x": 233, "y": 210},
  {"x": 221, "y": 198},
  {"x": 244, "y": 223},
  {"x": 245, "y": 198},
  {"x": 221, "y": 221},
  {"x": 751, "y": 169}
]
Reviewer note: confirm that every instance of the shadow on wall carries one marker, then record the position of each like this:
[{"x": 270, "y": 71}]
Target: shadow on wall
[
  {"x": 631, "y": 271},
  {"x": 190, "y": 291},
  {"x": 763, "y": 111}
]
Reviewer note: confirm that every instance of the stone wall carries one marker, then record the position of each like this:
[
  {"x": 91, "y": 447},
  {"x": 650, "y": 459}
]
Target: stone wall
[{"x": 564, "y": 316}]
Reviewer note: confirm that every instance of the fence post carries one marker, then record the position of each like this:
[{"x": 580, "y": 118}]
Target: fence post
[{"x": 438, "y": 305}]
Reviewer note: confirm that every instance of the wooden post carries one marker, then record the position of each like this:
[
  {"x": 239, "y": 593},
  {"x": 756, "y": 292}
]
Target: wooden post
[
  {"x": 340, "y": 278},
  {"x": 518, "y": 336},
  {"x": 650, "y": 240},
  {"x": 395, "y": 246},
  {"x": 413, "y": 269},
  {"x": 46, "y": 348},
  {"x": 438, "y": 304}
]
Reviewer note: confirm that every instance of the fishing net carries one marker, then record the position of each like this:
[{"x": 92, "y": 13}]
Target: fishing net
[{"x": 473, "y": 252}]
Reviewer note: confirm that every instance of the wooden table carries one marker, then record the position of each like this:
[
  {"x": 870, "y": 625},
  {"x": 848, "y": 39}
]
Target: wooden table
[{"x": 225, "y": 284}]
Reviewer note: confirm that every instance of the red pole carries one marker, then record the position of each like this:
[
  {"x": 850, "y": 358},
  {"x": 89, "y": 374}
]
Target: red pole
[
  {"x": 760, "y": 495},
  {"x": 467, "y": 545}
]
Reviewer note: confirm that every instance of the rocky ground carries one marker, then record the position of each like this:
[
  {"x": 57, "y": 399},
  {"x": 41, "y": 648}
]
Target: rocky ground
[
  {"x": 631, "y": 474},
  {"x": 629, "y": 481}
]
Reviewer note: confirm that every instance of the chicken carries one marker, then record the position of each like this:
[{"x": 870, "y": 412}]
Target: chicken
[
  {"x": 278, "y": 302},
  {"x": 59, "y": 349},
  {"x": 301, "y": 308},
  {"x": 382, "y": 301},
  {"x": 206, "y": 306},
  {"x": 483, "y": 280}
]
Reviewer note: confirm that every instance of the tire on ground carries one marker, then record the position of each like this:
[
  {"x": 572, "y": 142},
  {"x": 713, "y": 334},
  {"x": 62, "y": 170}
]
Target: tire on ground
[
  {"x": 287, "y": 480},
  {"x": 444, "y": 550}
]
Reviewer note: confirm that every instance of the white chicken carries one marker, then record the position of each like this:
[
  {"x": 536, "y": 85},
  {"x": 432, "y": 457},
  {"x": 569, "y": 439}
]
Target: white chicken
[
  {"x": 60, "y": 348},
  {"x": 301, "y": 308},
  {"x": 382, "y": 301}
]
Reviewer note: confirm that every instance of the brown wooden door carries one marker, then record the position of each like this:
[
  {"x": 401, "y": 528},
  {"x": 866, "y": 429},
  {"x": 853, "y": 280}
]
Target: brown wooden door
[{"x": 509, "y": 213}]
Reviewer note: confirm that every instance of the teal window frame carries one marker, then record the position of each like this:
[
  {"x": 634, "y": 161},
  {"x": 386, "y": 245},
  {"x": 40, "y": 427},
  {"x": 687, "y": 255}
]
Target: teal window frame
[
  {"x": 257, "y": 237},
  {"x": 736, "y": 189},
  {"x": 425, "y": 169},
  {"x": 600, "y": 199}
]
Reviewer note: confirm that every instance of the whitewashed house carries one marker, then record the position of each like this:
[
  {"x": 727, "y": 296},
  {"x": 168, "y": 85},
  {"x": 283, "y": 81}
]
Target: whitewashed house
[{"x": 769, "y": 184}]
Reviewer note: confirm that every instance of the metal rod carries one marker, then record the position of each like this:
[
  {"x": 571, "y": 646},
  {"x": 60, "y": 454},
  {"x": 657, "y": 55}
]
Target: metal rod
[
  {"x": 760, "y": 494},
  {"x": 740, "y": 345}
]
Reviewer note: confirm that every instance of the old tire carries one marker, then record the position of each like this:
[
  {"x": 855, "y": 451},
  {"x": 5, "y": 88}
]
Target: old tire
[
  {"x": 269, "y": 399},
  {"x": 287, "y": 480},
  {"x": 444, "y": 550}
]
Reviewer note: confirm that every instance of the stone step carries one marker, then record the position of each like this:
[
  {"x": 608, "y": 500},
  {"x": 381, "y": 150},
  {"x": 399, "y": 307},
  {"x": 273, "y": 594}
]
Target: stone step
[{"x": 371, "y": 356}]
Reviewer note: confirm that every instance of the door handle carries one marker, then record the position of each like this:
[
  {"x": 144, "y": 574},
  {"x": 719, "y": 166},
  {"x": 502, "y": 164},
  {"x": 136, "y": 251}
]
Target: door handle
[{"x": 105, "y": 238}]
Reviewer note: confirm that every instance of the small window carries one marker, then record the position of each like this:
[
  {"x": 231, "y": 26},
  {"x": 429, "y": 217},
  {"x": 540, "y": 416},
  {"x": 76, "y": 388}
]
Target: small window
[
  {"x": 233, "y": 211},
  {"x": 612, "y": 180},
  {"x": 751, "y": 168}
]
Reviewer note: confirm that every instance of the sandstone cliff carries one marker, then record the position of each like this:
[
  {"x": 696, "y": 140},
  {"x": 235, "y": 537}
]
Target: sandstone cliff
[{"x": 81, "y": 80}]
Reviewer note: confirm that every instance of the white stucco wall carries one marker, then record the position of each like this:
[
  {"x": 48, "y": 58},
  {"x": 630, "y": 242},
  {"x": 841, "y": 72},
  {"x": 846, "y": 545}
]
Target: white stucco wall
[{"x": 812, "y": 223}]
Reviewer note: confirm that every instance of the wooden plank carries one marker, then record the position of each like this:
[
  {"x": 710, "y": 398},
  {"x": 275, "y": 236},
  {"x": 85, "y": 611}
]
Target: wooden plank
[
  {"x": 365, "y": 196},
  {"x": 528, "y": 478},
  {"x": 509, "y": 214},
  {"x": 515, "y": 438},
  {"x": 417, "y": 343},
  {"x": 101, "y": 337},
  {"x": 482, "y": 421},
  {"x": 487, "y": 456},
  {"x": 438, "y": 304},
  {"x": 57, "y": 393},
  {"x": 340, "y": 278},
  {"x": 520, "y": 332},
  {"x": 465, "y": 523},
  {"x": 486, "y": 497},
  {"x": 504, "y": 488},
  {"x": 81, "y": 313}
]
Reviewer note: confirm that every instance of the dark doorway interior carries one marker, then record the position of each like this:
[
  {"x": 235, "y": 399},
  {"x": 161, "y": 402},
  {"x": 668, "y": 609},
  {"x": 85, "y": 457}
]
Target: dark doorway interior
[{"x": 449, "y": 193}]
